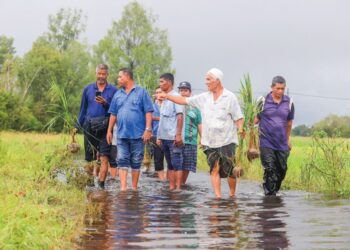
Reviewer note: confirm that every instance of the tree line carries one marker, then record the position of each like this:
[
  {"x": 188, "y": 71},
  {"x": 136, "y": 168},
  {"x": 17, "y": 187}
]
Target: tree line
[
  {"x": 332, "y": 125},
  {"x": 42, "y": 89}
]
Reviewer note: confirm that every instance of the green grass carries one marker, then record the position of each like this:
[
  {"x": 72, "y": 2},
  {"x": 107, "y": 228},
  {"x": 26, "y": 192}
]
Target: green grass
[
  {"x": 300, "y": 156},
  {"x": 36, "y": 211}
]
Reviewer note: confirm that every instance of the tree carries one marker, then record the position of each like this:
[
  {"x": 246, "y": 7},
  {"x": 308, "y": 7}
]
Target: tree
[
  {"x": 302, "y": 130},
  {"x": 64, "y": 28},
  {"x": 334, "y": 125},
  {"x": 7, "y": 63},
  {"x": 136, "y": 43},
  {"x": 7, "y": 50}
]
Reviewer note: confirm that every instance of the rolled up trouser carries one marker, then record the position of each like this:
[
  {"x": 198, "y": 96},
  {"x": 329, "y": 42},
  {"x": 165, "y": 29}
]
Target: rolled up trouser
[{"x": 275, "y": 168}]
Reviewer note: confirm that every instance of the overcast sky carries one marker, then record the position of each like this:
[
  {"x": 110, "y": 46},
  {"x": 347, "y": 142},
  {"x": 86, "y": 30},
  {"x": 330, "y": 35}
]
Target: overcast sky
[{"x": 306, "y": 41}]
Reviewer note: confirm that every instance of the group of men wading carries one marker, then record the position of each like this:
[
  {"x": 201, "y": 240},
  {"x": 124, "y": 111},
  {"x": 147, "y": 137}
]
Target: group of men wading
[{"x": 117, "y": 123}]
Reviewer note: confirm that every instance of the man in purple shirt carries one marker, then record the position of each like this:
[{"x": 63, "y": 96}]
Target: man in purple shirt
[{"x": 275, "y": 124}]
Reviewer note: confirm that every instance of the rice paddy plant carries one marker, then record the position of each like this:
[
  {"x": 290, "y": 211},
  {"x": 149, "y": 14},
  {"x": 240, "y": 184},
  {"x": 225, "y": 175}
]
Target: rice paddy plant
[
  {"x": 59, "y": 109},
  {"x": 248, "y": 146},
  {"x": 328, "y": 166}
]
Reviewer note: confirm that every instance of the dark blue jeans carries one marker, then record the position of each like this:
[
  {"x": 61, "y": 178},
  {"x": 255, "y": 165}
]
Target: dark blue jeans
[
  {"x": 130, "y": 153},
  {"x": 173, "y": 155}
]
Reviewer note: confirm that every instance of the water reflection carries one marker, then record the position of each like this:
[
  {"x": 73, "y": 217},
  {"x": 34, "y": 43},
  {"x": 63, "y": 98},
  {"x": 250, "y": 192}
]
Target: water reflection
[
  {"x": 155, "y": 218},
  {"x": 271, "y": 229}
]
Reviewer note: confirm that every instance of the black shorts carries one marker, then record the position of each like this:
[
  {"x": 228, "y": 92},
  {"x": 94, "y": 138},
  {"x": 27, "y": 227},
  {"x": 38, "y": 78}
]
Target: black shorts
[
  {"x": 95, "y": 142},
  {"x": 225, "y": 156},
  {"x": 113, "y": 156}
]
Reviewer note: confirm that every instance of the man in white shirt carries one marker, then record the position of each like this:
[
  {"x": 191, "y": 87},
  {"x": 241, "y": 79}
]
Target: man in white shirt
[{"x": 221, "y": 117}]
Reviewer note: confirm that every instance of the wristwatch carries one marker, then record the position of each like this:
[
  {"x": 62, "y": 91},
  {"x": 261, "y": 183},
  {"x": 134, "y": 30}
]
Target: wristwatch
[{"x": 149, "y": 129}]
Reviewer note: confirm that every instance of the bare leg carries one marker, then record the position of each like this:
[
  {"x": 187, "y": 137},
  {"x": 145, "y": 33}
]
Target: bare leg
[
  {"x": 185, "y": 174},
  {"x": 216, "y": 181},
  {"x": 171, "y": 177},
  {"x": 104, "y": 168},
  {"x": 96, "y": 169},
  {"x": 161, "y": 175},
  {"x": 135, "y": 174},
  {"x": 178, "y": 179},
  {"x": 232, "y": 185},
  {"x": 114, "y": 172},
  {"x": 123, "y": 175}
]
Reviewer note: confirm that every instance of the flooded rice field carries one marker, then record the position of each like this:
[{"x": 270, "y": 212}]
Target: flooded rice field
[{"x": 155, "y": 218}]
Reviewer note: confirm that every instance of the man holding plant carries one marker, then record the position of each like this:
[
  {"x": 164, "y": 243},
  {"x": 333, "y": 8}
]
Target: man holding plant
[
  {"x": 275, "y": 125},
  {"x": 221, "y": 117}
]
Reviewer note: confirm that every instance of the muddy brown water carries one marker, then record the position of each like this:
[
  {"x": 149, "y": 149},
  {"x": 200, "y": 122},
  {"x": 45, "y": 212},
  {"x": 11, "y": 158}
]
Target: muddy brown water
[{"x": 155, "y": 218}]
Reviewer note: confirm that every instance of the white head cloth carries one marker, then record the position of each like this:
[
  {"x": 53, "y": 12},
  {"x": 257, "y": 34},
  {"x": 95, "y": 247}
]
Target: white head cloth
[{"x": 216, "y": 73}]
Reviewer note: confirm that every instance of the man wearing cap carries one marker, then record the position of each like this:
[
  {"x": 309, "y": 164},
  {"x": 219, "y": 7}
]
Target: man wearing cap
[
  {"x": 169, "y": 135},
  {"x": 192, "y": 127},
  {"x": 275, "y": 125},
  {"x": 221, "y": 116}
]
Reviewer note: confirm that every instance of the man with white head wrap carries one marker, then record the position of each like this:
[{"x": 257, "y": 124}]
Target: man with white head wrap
[{"x": 221, "y": 117}]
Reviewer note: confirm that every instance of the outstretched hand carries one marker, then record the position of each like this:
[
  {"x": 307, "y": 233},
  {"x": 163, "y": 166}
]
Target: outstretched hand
[{"x": 160, "y": 96}]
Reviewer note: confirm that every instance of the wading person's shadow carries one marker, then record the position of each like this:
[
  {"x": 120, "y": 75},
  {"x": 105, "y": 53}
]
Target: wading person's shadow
[{"x": 271, "y": 227}]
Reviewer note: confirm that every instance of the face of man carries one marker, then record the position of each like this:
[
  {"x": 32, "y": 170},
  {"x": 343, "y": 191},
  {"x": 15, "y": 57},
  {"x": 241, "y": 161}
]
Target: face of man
[
  {"x": 211, "y": 82},
  {"x": 278, "y": 90},
  {"x": 158, "y": 91},
  {"x": 165, "y": 85},
  {"x": 122, "y": 79},
  {"x": 101, "y": 76},
  {"x": 185, "y": 92}
]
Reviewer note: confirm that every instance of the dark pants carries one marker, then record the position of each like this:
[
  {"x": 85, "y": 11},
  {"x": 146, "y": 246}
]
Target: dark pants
[
  {"x": 95, "y": 141},
  {"x": 275, "y": 168},
  {"x": 173, "y": 155},
  {"x": 158, "y": 156}
]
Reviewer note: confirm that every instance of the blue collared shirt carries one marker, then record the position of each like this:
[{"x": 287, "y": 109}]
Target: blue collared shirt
[
  {"x": 89, "y": 108},
  {"x": 130, "y": 110},
  {"x": 168, "y": 118}
]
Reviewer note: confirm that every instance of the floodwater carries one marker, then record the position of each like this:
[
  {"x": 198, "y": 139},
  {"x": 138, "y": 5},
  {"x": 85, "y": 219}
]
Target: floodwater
[{"x": 156, "y": 218}]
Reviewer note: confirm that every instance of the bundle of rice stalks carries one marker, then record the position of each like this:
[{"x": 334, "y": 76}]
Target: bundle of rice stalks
[
  {"x": 251, "y": 109},
  {"x": 147, "y": 157},
  {"x": 73, "y": 147}
]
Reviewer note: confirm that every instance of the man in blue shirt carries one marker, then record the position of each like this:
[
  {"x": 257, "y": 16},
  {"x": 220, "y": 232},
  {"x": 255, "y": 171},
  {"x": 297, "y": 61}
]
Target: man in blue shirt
[
  {"x": 131, "y": 109},
  {"x": 94, "y": 107},
  {"x": 169, "y": 135},
  {"x": 275, "y": 124}
]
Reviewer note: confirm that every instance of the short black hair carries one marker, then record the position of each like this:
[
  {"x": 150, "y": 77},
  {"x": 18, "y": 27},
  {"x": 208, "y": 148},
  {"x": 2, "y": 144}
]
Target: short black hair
[
  {"x": 168, "y": 76},
  {"x": 128, "y": 72},
  {"x": 278, "y": 79}
]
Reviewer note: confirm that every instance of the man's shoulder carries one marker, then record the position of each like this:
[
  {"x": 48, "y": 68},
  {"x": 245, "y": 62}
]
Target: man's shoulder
[
  {"x": 229, "y": 94},
  {"x": 140, "y": 90},
  {"x": 90, "y": 86},
  {"x": 174, "y": 93},
  {"x": 112, "y": 87}
]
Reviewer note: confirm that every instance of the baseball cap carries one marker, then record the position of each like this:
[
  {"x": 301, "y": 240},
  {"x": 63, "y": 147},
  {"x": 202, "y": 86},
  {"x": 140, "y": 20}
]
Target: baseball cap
[{"x": 184, "y": 85}]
